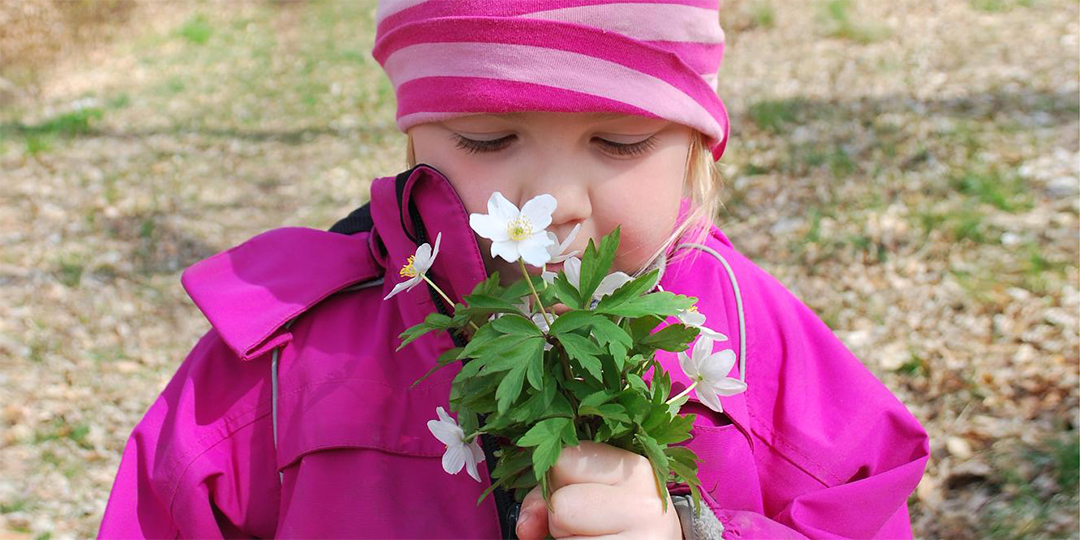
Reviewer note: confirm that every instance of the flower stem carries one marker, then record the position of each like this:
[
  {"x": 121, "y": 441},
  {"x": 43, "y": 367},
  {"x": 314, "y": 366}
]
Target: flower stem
[
  {"x": 528, "y": 280},
  {"x": 447, "y": 298},
  {"x": 681, "y": 394}
]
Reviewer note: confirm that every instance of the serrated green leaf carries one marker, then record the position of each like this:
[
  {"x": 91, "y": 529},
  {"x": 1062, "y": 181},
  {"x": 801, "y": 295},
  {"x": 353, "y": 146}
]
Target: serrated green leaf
[
  {"x": 510, "y": 387},
  {"x": 546, "y": 436},
  {"x": 434, "y": 321},
  {"x": 596, "y": 263},
  {"x": 516, "y": 352},
  {"x": 672, "y": 338},
  {"x": 607, "y": 332},
  {"x": 516, "y": 325},
  {"x": 565, "y": 292},
  {"x": 658, "y": 303},
  {"x": 597, "y": 398},
  {"x": 584, "y": 351},
  {"x": 535, "y": 371},
  {"x": 611, "y": 411},
  {"x": 629, "y": 291},
  {"x": 573, "y": 320}
]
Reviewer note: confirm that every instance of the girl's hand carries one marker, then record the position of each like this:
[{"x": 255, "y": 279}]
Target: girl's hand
[{"x": 598, "y": 490}]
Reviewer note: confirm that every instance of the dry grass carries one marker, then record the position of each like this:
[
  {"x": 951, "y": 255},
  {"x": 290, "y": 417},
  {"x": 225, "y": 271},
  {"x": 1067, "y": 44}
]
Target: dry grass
[{"x": 908, "y": 168}]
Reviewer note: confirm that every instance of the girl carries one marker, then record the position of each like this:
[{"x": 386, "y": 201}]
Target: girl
[{"x": 293, "y": 415}]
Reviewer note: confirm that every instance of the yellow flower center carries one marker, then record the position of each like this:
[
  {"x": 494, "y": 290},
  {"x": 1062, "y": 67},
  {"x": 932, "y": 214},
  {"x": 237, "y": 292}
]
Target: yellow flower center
[
  {"x": 408, "y": 270},
  {"x": 519, "y": 229},
  {"x": 693, "y": 309}
]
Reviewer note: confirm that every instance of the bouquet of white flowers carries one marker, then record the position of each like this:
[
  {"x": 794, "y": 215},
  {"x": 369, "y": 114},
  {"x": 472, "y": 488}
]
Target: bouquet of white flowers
[{"x": 543, "y": 381}]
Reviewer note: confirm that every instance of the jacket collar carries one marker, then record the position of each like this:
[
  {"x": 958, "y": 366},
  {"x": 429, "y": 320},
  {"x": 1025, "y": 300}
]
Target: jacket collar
[{"x": 250, "y": 292}]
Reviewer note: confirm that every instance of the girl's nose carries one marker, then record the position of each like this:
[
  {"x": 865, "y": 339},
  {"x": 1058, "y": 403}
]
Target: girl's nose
[{"x": 574, "y": 204}]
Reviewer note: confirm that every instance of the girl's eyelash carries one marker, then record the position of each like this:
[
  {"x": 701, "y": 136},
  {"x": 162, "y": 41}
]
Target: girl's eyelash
[{"x": 473, "y": 146}]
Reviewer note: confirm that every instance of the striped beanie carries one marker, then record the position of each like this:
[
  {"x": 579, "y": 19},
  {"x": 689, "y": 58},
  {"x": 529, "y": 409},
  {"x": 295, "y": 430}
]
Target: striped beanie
[{"x": 653, "y": 58}]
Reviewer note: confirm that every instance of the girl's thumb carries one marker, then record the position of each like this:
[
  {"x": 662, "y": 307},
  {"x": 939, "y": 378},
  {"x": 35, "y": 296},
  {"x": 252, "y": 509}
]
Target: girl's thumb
[{"x": 532, "y": 521}]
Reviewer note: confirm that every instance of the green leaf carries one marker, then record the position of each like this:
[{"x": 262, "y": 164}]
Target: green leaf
[
  {"x": 434, "y": 321},
  {"x": 673, "y": 338},
  {"x": 658, "y": 303},
  {"x": 565, "y": 292},
  {"x": 516, "y": 325},
  {"x": 584, "y": 351},
  {"x": 597, "y": 398},
  {"x": 520, "y": 288},
  {"x": 659, "y": 462},
  {"x": 596, "y": 263},
  {"x": 569, "y": 435},
  {"x": 444, "y": 359},
  {"x": 535, "y": 371},
  {"x": 518, "y": 352},
  {"x": 612, "y": 411},
  {"x": 629, "y": 291},
  {"x": 607, "y": 332},
  {"x": 573, "y": 320},
  {"x": 491, "y": 304},
  {"x": 483, "y": 336},
  {"x": 510, "y": 387},
  {"x": 547, "y": 437}
]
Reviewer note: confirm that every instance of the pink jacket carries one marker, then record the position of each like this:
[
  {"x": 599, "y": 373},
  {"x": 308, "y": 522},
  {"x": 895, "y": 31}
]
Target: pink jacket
[{"x": 292, "y": 416}]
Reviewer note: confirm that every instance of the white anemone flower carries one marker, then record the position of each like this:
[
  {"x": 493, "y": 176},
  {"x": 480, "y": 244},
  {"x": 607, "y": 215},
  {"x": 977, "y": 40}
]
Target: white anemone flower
[
  {"x": 416, "y": 267},
  {"x": 708, "y": 370},
  {"x": 517, "y": 233},
  {"x": 558, "y": 250},
  {"x": 458, "y": 454},
  {"x": 693, "y": 317},
  {"x": 608, "y": 285}
]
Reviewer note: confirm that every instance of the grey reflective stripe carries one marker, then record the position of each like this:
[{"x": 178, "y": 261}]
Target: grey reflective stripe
[
  {"x": 273, "y": 396},
  {"x": 273, "y": 401},
  {"x": 738, "y": 303}
]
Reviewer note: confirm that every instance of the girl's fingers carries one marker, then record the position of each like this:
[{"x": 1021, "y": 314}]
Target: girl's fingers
[
  {"x": 596, "y": 509},
  {"x": 532, "y": 521},
  {"x": 599, "y": 463}
]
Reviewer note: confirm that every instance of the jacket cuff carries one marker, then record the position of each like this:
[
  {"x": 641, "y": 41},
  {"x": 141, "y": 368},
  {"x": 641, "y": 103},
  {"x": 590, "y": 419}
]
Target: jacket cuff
[{"x": 697, "y": 527}]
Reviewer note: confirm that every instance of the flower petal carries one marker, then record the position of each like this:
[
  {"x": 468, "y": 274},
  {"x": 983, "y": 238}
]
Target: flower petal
[
  {"x": 549, "y": 277},
  {"x": 572, "y": 268},
  {"x": 691, "y": 318},
  {"x": 446, "y": 433},
  {"x": 687, "y": 365},
  {"x": 438, "y": 240},
  {"x": 490, "y": 227},
  {"x": 708, "y": 332},
  {"x": 473, "y": 455},
  {"x": 403, "y": 286},
  {"x": 611, "y": 283},
  {"x": 454, "y": 458},
  {"x": 538, "y": 210},
  {"x": 534, "y": 249},
  {"x": 717, "y": 366},
  {"x": 501, "y": 208},
  {"x": 728, "y": 386},
  {"x": 708, "y": 398},
  {"x": 702, "y": 349},
  {"x": 507, "y": 250}
]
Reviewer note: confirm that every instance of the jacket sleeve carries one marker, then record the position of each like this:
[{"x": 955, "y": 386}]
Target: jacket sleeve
[
  {"x": 837, "y": 453},
  {"x": 194, "y": 466}
]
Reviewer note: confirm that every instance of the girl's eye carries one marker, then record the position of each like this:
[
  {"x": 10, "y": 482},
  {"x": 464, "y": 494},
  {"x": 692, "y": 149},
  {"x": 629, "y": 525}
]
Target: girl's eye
[
  {"x": 620, "y": 149},
  {"x": 473, "y": 146},
  {"x": 633, "y": 149}
]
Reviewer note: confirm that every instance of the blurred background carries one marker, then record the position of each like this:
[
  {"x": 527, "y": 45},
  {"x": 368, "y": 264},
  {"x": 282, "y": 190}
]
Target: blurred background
[{"x": 909, "y": 168}]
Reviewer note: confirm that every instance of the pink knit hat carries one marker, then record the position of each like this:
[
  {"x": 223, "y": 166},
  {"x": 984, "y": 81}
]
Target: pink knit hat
[{"x": 451, "y": 58}]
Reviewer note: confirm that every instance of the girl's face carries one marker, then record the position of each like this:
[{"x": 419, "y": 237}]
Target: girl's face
[{"x": 603, "y": 169}]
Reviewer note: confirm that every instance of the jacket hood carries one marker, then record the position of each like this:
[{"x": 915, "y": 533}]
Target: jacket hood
[{"x": 249, "y": 292}]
